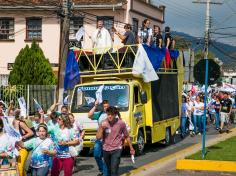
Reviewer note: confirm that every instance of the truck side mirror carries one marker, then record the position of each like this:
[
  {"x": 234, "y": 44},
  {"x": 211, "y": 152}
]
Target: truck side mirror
[{"x": 143, "y": 97}]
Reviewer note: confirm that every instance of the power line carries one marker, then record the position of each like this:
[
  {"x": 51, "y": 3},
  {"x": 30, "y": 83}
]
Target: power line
[
  {"x": 181, "y": 13},
  {"x": 223, "y": 52},
  {"x": 185, "y": 10}
]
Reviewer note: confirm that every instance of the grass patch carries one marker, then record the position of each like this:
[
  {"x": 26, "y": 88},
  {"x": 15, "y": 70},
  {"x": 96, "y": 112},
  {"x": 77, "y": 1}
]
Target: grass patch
[{"x": 223, "y": 151}]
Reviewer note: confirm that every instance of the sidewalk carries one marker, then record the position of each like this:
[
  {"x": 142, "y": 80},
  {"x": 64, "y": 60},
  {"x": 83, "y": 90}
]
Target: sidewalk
[{"x": 168, "y": 164}]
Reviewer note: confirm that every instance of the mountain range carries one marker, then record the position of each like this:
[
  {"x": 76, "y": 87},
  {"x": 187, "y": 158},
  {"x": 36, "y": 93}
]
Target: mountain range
[{"x": 226, "y": 53}]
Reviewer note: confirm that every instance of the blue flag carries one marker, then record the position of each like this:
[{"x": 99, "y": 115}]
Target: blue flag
[
  {"x": 147, "y": 61},
  {"x": 155, "y": 55},
  {"x": 72, "y": 74},
  {"x": 174, "y": 54}
]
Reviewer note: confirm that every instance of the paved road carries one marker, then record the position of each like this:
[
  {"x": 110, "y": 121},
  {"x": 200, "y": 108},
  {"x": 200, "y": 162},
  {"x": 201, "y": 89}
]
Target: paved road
[{"x": 87, "y": 166}]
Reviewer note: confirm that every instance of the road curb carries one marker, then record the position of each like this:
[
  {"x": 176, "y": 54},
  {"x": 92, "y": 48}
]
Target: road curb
[
  {"x": 206, "y": 165},
  {"x": 156, "y": 167}
]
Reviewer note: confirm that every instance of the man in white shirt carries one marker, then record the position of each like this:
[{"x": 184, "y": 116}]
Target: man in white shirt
[{"x": 101, "y": 39}]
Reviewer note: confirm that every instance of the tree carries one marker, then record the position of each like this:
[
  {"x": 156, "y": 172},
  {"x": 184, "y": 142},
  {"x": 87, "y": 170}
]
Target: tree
[
  {"x": 181, "y": 43},
  {"x": 200, "y": 55},
  {"x": 32, "y": 67}
]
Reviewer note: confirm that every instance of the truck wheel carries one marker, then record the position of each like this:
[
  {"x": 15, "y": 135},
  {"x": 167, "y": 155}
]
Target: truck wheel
[
  {"x": 139, "y": 147},
  {"x": 168, "y": 137}
]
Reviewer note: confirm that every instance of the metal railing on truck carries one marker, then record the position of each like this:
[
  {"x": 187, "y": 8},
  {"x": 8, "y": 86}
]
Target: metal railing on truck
[{"x": 115, "y": 60}]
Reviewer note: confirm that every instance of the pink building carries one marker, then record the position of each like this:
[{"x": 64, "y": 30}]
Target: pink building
[{"x": 24, "y": 20}]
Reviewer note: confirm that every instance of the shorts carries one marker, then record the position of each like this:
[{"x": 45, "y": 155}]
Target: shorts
[{"x": 224, "y": 117}]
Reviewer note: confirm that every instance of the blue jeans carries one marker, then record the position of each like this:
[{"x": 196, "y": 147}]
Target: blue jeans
[
  {"x": 112, "y": 159},
  {"x": 42, "y": 171},
  {"x": 217, "y": 119},
  {"x": 194, "y": 121},
  {"x": 97, "y": 153},
  {"x": 200, "y": 123},
  {"x": 183, "y": 125}
]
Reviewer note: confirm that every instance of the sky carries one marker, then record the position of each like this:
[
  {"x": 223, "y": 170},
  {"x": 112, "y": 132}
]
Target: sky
[{"x": 188, "y": 17}]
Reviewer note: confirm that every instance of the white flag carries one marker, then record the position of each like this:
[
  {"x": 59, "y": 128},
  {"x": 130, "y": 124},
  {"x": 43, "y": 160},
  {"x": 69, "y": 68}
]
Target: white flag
[
  {"x": 22, "y": 105},
  {"x": 37, "y": 105},
  {"x": 99, "y": 94},
  {"x": 80, "y": 33}
]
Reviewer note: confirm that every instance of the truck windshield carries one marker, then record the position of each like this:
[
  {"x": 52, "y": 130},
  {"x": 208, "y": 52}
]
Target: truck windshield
[{"x": 85, "y": 96}]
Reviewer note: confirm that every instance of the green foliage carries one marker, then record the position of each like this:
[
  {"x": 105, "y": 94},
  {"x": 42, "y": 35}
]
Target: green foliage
[
  {"x": 181, "y": 43},
  {"x": 223, "y": 151},
  {"x": 200, "y": 55},
  {"x": 32, "y": 67}
]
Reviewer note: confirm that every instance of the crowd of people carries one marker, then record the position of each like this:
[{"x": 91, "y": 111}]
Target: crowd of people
[
  {"x": 53, "y": 141},
  {"x": 219, "y": 112},
  {"x": 102, "y": 38}
]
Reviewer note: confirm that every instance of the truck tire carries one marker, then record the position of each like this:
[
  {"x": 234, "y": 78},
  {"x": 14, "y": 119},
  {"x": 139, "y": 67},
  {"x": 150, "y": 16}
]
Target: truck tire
[
  {"x": 139, "y": 147},
  {"x": 168, "y": 137}
]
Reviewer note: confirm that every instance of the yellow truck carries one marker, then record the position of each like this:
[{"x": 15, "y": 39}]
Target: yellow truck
[{"x": 151, "y": 110}]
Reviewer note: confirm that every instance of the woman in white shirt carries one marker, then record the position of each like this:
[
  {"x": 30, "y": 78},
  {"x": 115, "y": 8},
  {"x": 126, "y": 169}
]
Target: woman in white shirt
[{"x": 198, "y": 112}]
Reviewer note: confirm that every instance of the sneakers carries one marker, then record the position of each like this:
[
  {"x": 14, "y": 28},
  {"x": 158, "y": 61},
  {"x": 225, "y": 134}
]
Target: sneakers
[
  {"x": 220, "y": 131},
  {"x": 227, "y": 131}
]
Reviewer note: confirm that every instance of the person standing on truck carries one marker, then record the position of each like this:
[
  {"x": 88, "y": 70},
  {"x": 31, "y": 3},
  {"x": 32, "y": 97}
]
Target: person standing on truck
[
  {"x": 157, "y": 37},
  {"x": 97, "y": 151},
  {"x": 145, "y": 34},
  {"x": 113, "y": 131},
  {"x": 169, "y": 42},
  {"x": 128, "y": 38},
  {"x": 101, "y": 38}
]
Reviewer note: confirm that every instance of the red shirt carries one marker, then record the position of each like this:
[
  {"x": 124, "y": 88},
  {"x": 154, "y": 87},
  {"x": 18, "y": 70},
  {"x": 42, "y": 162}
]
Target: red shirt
[{"x": 113, "y": 135}]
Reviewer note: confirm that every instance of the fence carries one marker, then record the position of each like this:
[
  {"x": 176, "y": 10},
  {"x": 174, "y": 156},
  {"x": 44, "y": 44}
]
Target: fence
[{"x": 44, "y": 94}]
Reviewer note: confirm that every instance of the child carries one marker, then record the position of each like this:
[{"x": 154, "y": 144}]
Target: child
[{"x": 42, "y": 149}]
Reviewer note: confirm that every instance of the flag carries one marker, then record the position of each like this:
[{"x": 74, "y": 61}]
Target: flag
[
  {"x": 72, "y": 74},
  {"x": 147, "y": 61},
  {"x": 80, "y": 33},
  {"x": 22, "y": 105},
  {"x": 10, "y": 130},
  {"x": 99, "y": 94},
  {"x": 174, "y": 54},
  {"x": 168, "y": 59},
  {"x": 37, "y": 106}
]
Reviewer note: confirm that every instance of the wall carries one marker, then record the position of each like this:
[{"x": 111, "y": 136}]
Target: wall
[{"x": 50, "y": 37}]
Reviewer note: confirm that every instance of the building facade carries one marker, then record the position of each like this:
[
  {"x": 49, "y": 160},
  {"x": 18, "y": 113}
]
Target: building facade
[{"x": 24, "y": 20}]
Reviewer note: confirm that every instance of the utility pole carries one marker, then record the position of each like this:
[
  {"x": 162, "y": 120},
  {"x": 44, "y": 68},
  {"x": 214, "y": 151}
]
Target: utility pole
[
  {"x": 64, "y": 47},
  {"x": 207, "y": 27}
]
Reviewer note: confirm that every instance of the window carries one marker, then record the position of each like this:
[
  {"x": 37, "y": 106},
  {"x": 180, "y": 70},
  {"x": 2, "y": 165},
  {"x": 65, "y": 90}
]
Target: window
[
  {"x": 135, "y": 26},
  {"x": 75, "y": 24},
  {"x": 108, "y": 21},
  {"x": 136, "y": 95},
  {"x": 6, "y": 28},
  {"x": 33, "y": 28}
]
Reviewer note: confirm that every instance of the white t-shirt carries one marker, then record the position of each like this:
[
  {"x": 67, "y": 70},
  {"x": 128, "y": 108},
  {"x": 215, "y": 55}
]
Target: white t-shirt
[
  {"x": 184, "y": 110},
  {"x": 144, "y": 34},
  {"x": 77, "y": 128},
  {"x": 197, "y": 110}
]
